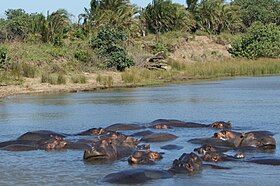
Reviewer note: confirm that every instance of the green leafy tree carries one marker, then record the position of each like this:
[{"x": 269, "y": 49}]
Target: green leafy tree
[
  {"x": 265, "y": 11},
  {"x": 116, "y": 13},
  {"x": 109, "y": 44},
  {"x": 215, "y": 16},
  {"x": 164, "y": 16},
  {"x": 17, "y": 24},
  {"x": 261, "y": 40}
]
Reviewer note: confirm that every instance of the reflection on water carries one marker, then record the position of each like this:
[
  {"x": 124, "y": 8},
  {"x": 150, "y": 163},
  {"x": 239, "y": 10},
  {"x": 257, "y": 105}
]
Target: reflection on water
[{"x": 250, "y": 103}]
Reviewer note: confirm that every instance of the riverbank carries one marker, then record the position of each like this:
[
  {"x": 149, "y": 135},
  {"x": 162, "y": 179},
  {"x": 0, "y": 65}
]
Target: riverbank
[{"x": 136, "y": 77}]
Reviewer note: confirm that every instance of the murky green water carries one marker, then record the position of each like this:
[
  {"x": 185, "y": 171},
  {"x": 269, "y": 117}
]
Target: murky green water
[{"x": 250, "y": 103}]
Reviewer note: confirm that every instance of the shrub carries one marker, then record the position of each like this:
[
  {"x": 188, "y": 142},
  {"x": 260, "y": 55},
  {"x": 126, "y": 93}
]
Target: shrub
[
  {"x": 109, "y": 44},
  {"x": 260, "y": 41},
  {"x": 78, "y": 79},
  {"x": 3, "y": 56},
  {"x": 105, "y": 80},
  {"x": 82, "y": 55}
]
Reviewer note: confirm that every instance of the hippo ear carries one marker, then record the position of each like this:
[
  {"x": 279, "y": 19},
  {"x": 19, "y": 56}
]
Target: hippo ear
[{"x": 229, "y": 123}]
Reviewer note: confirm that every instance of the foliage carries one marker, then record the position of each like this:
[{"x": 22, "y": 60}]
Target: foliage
[
  {"x": 164, "y": 16},
  {"x": 116, "y": 13},
  {"x": 82, "y": 55},
  {"x": 109, "y": 44},
  {"x": 260, "y": 41},
  {"x": 105, "y": 80},
  {"x": 3, "y": 56},
  {"x": 214, "y": 16},
  {"x": 53, "y": 79},
  {"x": 265, "y": 11}
]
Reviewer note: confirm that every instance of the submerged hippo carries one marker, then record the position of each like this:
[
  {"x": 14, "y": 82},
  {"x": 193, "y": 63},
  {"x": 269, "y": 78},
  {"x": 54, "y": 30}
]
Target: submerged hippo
[
  {"x": 93, "y": 132},
  {"x": 115, "y": 147},
  {"x": 27, "y": 145},
  {"x": 122, "y": 126},
  {"x": 144, "y": 157},
  {"x": 207, "y": 148},
  {"x": 217, "y": 157},
  {"x": 41, "y": 134},
  {"x": 169, "y": 123},
  {"x": 187, "y": 163},
  {"x": 136, "y": 176},
  {"x": 259, "y": 139},
  {"x": 142, "y": 133},
  {"x": 158, "y": 137},
  {"x": 172, "y": 147}
]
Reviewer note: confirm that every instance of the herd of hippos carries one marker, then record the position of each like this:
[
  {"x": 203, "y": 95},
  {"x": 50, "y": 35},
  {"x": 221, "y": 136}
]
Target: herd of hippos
[{"x": 107, "y": 145}]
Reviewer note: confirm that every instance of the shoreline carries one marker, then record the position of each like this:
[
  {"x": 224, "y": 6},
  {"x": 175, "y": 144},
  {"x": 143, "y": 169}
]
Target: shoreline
[{"x": 45, "y": 88}]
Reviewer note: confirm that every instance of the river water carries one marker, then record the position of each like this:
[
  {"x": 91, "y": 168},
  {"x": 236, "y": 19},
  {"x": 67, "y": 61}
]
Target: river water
[{"x": 250, "y": 103}]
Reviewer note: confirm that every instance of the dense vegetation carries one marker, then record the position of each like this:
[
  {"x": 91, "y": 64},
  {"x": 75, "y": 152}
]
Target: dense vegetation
[{"x": 107, "y": 32}]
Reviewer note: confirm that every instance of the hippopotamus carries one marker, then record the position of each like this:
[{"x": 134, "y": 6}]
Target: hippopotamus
[
  {"x": 206, "y": 148},
  {"x": 212, "y": 141},
  {"x": 217, "y": 157},
  {"x": 27, "y": 145},
  {"x": 136, "y": 176},
  {"x": 260, "y": 139},
  {"x": 160, "y": 126},
  {"x": 143, "y": 147},
  {"x": 142, "y": 133},
  {"x": 158, "y": 137},
  {"x": 144, "y": 157},
  {"x": 113, "y": 148},
  {"x": 186, "y": 164},
  {"x": 93, "y": 132},
  {"x": 172, "y": 147},
  {"x": 123, "y": 126},
  {"x": 169, "y": 123},
  {"x": 41, "y": 134}
]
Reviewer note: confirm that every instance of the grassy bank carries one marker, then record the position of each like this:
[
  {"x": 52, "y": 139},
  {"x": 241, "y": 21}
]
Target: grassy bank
[{"x": 202, "y": 70}]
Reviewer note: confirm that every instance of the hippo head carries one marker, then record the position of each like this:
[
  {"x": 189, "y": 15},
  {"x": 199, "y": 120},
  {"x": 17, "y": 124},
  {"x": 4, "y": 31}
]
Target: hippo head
[
  {"x": 212, "y": 157},
  {"x": 143, "y": 147},
  {"x": 161, "y": 126},
  {"x": 249, "y": 140},
  {"x": 225, "y": 135},
  {"x": 144, "y": 157},
  {"x": 101, "y": 150},
  {"x": 221, "y": 125},
  {"x": 55, "y": 143},
  {"x": 187, "y": 163},
  {"x": 205, "y": 149},
  {"x": 267, "y": 142}
]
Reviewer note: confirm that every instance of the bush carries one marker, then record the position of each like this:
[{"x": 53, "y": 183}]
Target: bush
[
  {"x": 78, "y": 79},
  {"x": 260, "y": 41},
  {"x": 105, "y": 80},
  {"x": 109, "y": 44},
  {"x": 3, "y": 56},
  {"x": 82, "y": 55}
]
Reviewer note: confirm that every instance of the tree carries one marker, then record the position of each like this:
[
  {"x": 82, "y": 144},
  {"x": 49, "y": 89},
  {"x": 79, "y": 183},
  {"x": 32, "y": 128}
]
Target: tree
[
  {"x": 215, "y": 16},
  {"x": 109, "y": 45},
  {"x": 116, "y": 13},
  {"x": 261, "y": 40},
  {"x": 17, "y": 24},
  {"x": 164, "y": 16},
  {"x": 264, "y": 11}
]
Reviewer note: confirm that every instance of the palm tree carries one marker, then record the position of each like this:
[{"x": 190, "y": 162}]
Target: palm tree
[
  {"x": 164, "y": 16},
  {"x": 116, "y": 13},
  {"x": 214, "y": 16}
]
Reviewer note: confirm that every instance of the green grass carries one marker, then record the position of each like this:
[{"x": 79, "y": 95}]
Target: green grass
[
  {"x": 202, "y": 70},
  {"x": 53, "y": 79},
  {"x": 105, "y": 80}
]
